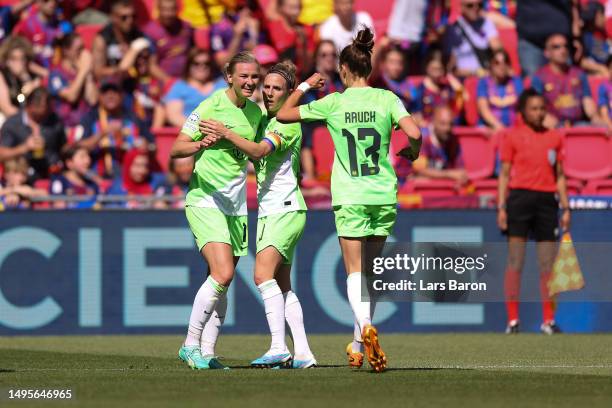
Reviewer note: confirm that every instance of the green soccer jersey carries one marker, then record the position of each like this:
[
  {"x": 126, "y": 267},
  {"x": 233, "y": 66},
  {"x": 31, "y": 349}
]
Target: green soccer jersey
[
  {"x": 360, "y": 121},
  {"x": 277, "y": 173},
  {"x": 219, "y": 176}
]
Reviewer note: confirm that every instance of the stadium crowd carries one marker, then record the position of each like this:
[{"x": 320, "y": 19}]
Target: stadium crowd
[{"x": 89, "y": 88}]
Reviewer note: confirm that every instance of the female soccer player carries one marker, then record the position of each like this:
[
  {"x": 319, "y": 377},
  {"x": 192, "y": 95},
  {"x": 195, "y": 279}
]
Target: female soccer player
[
  {"x": 216, "y": 202},
  {"x": 364, "y": 185},
  {"x": 282, "y": 216}
]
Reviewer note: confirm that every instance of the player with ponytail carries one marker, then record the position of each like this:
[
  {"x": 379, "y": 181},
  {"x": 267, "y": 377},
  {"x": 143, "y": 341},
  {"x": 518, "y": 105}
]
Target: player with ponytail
[{"x": 364, "y": 184}]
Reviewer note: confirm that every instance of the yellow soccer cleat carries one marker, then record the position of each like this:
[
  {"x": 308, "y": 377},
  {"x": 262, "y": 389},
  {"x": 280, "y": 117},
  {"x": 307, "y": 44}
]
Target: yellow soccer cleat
[
  {"x": 355, "y": 359},
  {"x": 376, "y": 357}
]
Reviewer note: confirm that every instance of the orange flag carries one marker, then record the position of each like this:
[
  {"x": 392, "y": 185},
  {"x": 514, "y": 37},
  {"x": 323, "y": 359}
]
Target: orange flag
[{"x": 566, "y": 274}]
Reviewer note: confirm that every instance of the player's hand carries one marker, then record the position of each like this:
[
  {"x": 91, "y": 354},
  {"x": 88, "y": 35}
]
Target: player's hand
[
  {"x": 212, "y": 127},
  {"x": 316, "y": 81},
  {"x": 208, "y": 142},
  {"x": 565, "y": 220},
  {"x": 408, "y": 153},
  {"x": 502, "y": 219}
]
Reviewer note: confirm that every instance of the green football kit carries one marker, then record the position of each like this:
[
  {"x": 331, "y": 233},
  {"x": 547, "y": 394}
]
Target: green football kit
[
  {"x": 363, "y": 182},
  {"x": 281, "y": 207},
  {"x": 216, "y": 201}
]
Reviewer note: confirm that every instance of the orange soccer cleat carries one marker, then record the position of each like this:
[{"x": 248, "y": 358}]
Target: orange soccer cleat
[
  {"x": 376, "y": 357},
  {"x": 355, "y": 358}
]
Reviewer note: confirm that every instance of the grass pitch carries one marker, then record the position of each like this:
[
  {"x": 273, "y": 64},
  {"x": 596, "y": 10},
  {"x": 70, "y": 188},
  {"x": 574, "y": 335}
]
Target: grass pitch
[{"x": 451, "y": 370}]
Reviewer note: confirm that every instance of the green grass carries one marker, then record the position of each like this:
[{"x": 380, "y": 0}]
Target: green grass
[{"x": 451, "y": 370}]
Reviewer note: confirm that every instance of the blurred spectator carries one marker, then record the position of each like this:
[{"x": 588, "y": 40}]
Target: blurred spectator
[
  {"x": 415, "y": 25},
  {"x": 595, "y": 39},
  {"x": 76, "y": 179},
  {"x": 110, "y": 130},
  {"x": 342, "y": 27},
  {"x": 389, "y": 74},
  {"x": 498, "y": 93},
  {"x": 536, "y": 20},
  {"x": 604, "y": 98},
  {"x": 498, "y": 11},
  {"x": 135, "y": 179},
  {"x": 440, "y": 156},
  {"x": 145, "y": 91},
  {"x": 43, "y": 26},
  {"x": 171, "y": 37},
  {"x": 9, "y": 15},
  {"x": 17, "y": 81},
  {"x": 326, "y": 63},
  {"x": 115, "y": 47},
  {"x": 238, "y": 30},
  {"x": 470, "y": 39},
  {"x": 176, "y": 182},
  {"x": 438, "y": 88},
  {"x": 15, "y": 193},
  {"x": 313, "y": 11},
  {"x": 35, "y": 132},
  {"x": 203, "y": 13},
  {"x": 293, "y": 40},
  {"x": 71, "y": 82},
  {"x": 198, "y": 83},
  {"x": 565, "y": 87}
]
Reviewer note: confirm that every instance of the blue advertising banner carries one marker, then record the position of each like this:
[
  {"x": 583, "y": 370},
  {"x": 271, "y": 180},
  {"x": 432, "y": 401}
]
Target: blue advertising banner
[{"x": 137, "y": 272}]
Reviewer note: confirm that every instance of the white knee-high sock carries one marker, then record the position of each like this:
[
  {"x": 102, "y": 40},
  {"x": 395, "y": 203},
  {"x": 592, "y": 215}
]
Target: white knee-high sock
[
  {"x": 361, "y": 309},
  {"x": 274, "y": 305},
  {"x": 204, "y": 305},
  {"x": 295, "y": 320},
  {"x": 213, "y": 327},
  {"x": 357, "y": 340}
]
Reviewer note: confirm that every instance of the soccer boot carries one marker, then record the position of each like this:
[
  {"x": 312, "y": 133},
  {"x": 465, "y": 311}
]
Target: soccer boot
[
  {"x": 194, "y": 359},
  {"x": 282, "y": 360},
  {"x": 355, "y": 358},
  {"x": 376, "y": 357}
]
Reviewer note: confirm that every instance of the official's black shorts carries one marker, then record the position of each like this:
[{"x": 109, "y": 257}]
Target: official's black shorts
[{"x": 533, "y": 212}]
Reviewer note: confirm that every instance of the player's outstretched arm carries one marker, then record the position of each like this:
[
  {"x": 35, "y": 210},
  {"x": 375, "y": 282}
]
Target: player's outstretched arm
[
  {"x": 185, "y": 146},
  {"x": 252, "y": 149},
  {"x": 410, "y": 129},
  {"x": 290, "y": 111}
]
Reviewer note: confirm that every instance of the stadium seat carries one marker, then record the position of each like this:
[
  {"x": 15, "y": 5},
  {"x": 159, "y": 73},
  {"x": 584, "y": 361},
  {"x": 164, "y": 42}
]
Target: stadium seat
[
  {"x": 574, "y": 187},
  {"x": 588, "y": 153},
  {"x": 509, "y": 40},
  {"x": 323, "y": 151},
  {"x": 478, "y": 149},
  {"x": 42, "y": 184},
  {"x": 202, "y": 38},
  {"x": 88, "y": 33},
  {"x": 471, "y": 107},
  {"x": 598, "y": 187},
  {"x": 164, "y": 137},
  {"x": 430, "y": 188},
  {"x": 485, "y": 187},
  {"x": 379, "y": 11}
]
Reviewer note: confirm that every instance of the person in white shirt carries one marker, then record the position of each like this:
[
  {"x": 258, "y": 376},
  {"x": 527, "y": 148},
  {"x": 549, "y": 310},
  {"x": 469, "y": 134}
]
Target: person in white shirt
[{"x": 343, "y": 26}]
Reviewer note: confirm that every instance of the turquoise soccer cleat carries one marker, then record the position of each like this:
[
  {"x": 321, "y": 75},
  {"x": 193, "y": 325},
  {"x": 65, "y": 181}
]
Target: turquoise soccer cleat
[
  {"x": 304, "y": 363},
  {"x": 282, "y": 360},
  {"x": 194, "y": 358}
]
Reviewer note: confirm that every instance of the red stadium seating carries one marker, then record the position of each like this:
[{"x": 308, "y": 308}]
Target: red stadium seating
[
  {"x": 588, "y": 153},
  {"x": 471, "y": 107},
  {"x": 379, "y": 10},
  {"x": 88, "y": 33},
  {"x": 574, "y": 187},
  {"x": 485, "y": 187},
  {"x": 598, "y": 187},
  {"x": 42, "y": 184},
  {"x": 478, "y": 149},
  {"x": 164, "y": 137},
  {"x": 430, "y": 188},
  {"x": 202, "y": 38},
  {"x": 323, "y": 151},
  {"x": 509, "y": 40}
]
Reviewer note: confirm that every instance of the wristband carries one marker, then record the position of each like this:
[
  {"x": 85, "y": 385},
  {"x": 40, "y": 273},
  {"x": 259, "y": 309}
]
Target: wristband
[{"x": 304, "y": 87}]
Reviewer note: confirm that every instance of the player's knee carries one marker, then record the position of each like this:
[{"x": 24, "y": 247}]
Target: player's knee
[{"x": 223, "y": 276}]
